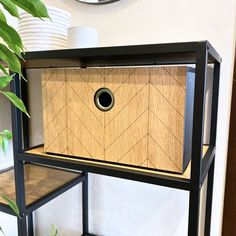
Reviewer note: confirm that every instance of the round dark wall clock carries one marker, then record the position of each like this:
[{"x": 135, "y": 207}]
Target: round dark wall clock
[{"x": 97, "y": 1}]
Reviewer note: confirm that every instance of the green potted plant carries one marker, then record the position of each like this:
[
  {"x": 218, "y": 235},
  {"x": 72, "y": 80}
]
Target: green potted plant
[
  {"x": 10, "y": 55},
  {"x": 11, "y": 51}
]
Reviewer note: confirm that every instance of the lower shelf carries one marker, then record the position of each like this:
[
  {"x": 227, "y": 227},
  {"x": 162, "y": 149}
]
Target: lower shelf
[{"x": 41, "y": 185}]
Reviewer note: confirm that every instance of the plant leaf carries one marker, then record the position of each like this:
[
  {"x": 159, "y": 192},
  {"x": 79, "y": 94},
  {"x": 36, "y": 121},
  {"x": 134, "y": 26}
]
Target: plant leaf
[
  {"x": 7, "y": 133},
  {"x": 40, "y": 8},
  {"x": 4, "y": 70},
  {"x": 5, "y": 136},
  {"x": 16, "y": 101},
  {"x": 16, "y": 49},
  {"x": 34, "y": 7},
  {"x": 11, "y": 37},
  {"x": 4, "y": 81},
  {"x": 12, "y": 204},
  {"x": 1, "y": 139},
  {"x": 2, "y": 16},
  {"x": 54, "y": 231},
  {"x": 10, "y": 7},
  {"x": 10, "y": 58},
  {"x": 4, "y": 145}
]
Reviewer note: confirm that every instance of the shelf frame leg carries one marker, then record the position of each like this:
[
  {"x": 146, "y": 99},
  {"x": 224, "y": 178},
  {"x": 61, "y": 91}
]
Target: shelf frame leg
[
  {"x": 197, "y": 137},
  {"x": 25, "y": 119},
  {"x": 215, "y": 99},
  {"x": 213, "y": 129},
  {"x": 22, "y": 226},
  {"x": 18, "y": 165},
  {"x": 85, "y": 213},
  {"x": 194, "y": 205},
  {"x": 210, "y": 183},
  {"x": 210, "y": 180},
  {"x": 30, "y": 225}
]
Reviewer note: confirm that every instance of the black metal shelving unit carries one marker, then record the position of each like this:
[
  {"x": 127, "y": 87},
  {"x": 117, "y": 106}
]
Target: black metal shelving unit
[{"x": 199, "y": 53}]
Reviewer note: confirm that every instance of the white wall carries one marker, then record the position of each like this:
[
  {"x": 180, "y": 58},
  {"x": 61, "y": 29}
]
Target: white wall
[{"x": 124, "y": 208}]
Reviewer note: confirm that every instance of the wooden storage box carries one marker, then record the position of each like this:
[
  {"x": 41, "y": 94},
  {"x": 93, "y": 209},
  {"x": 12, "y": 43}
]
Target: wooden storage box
[{"x": 143, "y": 117}]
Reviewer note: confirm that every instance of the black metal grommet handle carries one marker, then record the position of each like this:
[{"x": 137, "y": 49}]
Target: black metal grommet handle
[{"x": 104, "y": 99}]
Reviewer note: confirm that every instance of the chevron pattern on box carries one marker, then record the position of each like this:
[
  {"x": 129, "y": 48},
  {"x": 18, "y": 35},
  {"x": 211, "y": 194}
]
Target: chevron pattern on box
[
  {"x": 54, "y": 110},
  {"x": 144, "y": 128}
]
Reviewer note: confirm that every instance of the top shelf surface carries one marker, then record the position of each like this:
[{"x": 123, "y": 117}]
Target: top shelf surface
[{"x": 152, "y": 54}]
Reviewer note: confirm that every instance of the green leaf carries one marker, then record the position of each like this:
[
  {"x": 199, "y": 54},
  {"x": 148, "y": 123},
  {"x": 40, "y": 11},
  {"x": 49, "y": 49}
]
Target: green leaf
[
  {"x": 11, "y": 37},
  {"x": 54, "y": 231},
  {"x": 4, "y": 81},
  {"x": 16, "y": 101},
  {"x": 16, "y": 49},
  {"x": 4, "y": 145},
  {"x": 1, "y": 140},
  {"x": 10, "y": 58},
  {"x": 12, "y": 204},
  {"x": 4, "y": 70},
  {"x": 7, "y": 134},
  {"x": 10, "y": 7},
  {"x": 40, "y": 8},
  {"x": 2, "y": 16},
  {"x": 2, "y": 231},
  {"x": 34, "y": 7}
]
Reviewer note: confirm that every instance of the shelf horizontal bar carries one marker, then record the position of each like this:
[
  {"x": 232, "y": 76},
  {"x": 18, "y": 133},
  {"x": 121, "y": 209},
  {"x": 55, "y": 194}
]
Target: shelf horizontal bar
[
  {"x": 114, "y": 171},
  {"x": 88, "y": 235},
  {"x": 135, "y": 55},
  {"x": 112, "y": 61},
  {"x": 182, "y": 47},
  {"x": 45, "y": 199}
]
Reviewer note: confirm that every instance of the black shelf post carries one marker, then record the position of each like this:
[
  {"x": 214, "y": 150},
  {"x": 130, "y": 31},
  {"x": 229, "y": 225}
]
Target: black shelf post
[
  {"x": 30, "y": 224},
  {"x": 197, "y": 137},
  {"x": 18, "y": 164},
  {"x": 210, "y": 181},
  {"x": 85, "y": 213}
]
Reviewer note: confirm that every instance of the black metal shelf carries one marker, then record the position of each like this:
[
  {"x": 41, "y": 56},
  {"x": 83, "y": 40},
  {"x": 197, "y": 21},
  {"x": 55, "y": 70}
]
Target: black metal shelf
[{"x": 201, "y": 54}]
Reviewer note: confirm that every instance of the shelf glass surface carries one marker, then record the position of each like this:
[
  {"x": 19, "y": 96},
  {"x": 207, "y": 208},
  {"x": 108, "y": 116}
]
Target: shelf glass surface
[{"x": 40, "y": 181}]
